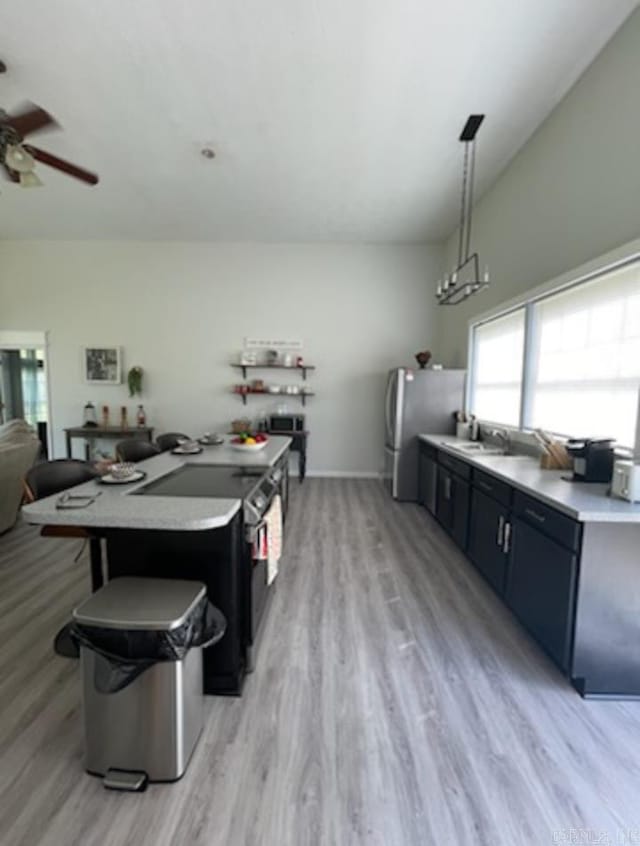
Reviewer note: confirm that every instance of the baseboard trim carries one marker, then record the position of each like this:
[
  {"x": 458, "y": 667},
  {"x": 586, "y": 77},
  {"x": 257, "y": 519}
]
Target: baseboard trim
[{"x": 342, "y": 474}]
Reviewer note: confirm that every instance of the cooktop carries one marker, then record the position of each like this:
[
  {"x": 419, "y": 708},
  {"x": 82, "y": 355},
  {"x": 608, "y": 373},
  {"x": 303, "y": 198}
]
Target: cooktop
[{"x": 205, "y": 480}]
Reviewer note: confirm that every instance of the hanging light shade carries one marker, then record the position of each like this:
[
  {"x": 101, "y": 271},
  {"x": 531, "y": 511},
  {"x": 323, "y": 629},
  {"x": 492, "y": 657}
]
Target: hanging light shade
[
  {"x": 464, "y": 279},
  {"x": 18, "y": 159}
]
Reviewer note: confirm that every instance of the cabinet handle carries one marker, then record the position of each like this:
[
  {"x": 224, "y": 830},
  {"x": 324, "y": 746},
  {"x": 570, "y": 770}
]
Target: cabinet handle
[
  {"x": 500, "y": 537},
  {"x": 507, "y": 538},
  {"x": 535, "y": 515},
  {"x": 447, "y": 487},
  {"x": 485, "y": 485}
]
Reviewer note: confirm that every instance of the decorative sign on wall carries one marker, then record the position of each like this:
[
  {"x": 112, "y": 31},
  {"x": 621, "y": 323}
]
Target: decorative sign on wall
[{"x": 271, "y": 344}]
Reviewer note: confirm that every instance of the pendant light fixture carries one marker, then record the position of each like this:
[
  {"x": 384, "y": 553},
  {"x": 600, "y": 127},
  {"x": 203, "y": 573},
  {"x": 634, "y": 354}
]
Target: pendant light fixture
[{"x": 465, "y": 280}]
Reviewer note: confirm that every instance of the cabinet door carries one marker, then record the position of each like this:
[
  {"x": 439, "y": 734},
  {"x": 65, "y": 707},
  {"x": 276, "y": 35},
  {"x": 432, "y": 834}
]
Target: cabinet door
[
  {"x": 541, "y": 589},
  {"x": 460, "y": 512},
  {"x": 428, "y": 481},
  {"x": 444, "y": 501},
  {"x": 486, "y": 539}
]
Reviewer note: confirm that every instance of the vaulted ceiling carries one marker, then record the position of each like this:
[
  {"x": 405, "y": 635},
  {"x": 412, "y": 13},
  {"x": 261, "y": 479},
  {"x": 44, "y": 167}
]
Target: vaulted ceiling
[{"x": 331, "y": 119}]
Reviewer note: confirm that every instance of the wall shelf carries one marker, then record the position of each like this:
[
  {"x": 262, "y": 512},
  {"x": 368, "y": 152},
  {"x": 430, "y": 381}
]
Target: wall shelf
[
  {"x": 301, "y": 368},
  {"x": 250, "y": 392}
]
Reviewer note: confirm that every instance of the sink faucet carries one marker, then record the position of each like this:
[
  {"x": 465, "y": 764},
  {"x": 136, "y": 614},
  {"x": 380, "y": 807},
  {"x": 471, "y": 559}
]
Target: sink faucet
[{"x": 502, "y": 436}]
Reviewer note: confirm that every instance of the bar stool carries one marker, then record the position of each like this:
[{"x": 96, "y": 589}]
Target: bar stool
[
  {"x": 133, "y": 449},
  {"x": 47, "y": 479},
  {"x": 170, "y": 440}
]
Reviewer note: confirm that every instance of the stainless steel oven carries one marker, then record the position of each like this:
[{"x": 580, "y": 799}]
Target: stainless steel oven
[{"x": 255, "y": 507}]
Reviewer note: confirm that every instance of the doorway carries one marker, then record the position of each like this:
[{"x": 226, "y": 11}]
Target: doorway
[{"x": 24, "y": 382}]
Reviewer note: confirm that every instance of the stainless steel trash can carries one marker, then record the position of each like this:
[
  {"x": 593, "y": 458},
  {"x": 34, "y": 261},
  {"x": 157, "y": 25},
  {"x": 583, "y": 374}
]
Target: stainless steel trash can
[{"x": 148, "y": 729}]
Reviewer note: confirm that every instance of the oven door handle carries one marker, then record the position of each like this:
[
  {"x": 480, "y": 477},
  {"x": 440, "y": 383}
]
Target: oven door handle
[
  {"x": 256, "y": 517},
  {"x": 251, "y": 530}
]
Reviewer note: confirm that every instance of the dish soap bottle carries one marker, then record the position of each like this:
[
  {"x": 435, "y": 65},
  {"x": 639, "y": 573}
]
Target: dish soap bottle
[{"x": 141, "y": 417}]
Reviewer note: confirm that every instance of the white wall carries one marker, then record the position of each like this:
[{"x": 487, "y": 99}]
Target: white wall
[
  {"x": 181, "y": 311},
  {"x": 570, "y": 195}
]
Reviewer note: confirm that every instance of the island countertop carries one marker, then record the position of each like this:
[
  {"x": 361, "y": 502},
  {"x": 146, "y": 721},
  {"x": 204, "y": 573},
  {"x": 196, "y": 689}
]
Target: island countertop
[
  {"x": 583, "y": 501},
  {"x": 115, "y": 508}
]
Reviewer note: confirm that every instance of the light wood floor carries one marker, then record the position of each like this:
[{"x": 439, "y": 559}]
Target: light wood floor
[{"x": 395, "y": 702}]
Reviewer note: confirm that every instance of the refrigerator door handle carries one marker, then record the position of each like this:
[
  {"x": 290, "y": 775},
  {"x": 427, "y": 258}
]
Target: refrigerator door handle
[
  {"x": 387, "y": 410},
  {"x": 399, "y": 409},
  {"x": 391, "y": 471},
  {"x": 393, "y": 411}
]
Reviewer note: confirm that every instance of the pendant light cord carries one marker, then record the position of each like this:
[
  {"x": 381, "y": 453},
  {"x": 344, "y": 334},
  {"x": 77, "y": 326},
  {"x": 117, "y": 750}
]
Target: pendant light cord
[
  {"x": 470, "y": 198},
  {"x": 463, "y": 204}
]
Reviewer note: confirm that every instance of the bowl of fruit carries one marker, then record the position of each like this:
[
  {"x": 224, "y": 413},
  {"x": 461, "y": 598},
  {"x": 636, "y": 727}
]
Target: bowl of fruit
[{"x": 246, "y": 442}]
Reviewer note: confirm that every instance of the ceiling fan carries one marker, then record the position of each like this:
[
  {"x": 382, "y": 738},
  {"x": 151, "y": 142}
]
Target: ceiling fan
[{"x": 18, "y": 158}]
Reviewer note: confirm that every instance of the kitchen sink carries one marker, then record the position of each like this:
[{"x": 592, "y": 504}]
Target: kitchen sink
[{"x": 476, "y": 448}]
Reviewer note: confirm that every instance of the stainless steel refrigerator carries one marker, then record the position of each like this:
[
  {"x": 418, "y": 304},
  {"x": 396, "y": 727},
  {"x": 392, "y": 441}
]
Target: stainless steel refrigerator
[{"x": 417, "y": 402}]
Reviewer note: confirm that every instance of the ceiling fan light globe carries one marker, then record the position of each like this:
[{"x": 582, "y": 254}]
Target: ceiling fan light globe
[
  {"x": 18, "y": 159},
  {"x": 30, "y": 179}
]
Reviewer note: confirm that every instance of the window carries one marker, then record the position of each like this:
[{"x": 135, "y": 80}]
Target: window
[
  {"x": 586, "y": 358},
  {"x": 581, "y": 349},
  {"x": 497, "y": 367}
]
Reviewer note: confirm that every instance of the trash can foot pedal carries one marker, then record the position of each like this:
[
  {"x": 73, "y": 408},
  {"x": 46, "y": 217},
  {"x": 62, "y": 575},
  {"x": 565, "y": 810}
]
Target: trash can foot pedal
[{"x": 125, "y": 780}]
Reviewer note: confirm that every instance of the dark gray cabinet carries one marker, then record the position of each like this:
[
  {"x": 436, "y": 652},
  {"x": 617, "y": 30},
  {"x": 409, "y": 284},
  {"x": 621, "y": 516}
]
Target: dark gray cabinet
[
  {"x": 541, "y": 589},
  {"x": 452, "y": 505},
  {"x": 489, "y": 538},
  {"x": 572, "y": 584},
  {"x": 427, "y": 479}
]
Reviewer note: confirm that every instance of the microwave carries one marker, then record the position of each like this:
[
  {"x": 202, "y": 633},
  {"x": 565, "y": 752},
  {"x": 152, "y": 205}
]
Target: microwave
[{"x": 286, "y": 423}]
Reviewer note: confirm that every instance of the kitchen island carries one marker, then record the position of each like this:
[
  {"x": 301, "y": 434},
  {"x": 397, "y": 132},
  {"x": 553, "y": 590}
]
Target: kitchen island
[
  {"x": 203, "y": 537},
  {"x": 562, "y": 555}
]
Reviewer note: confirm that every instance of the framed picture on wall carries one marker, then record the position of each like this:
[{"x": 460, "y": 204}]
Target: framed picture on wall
[{"x": 102, "y": 365}]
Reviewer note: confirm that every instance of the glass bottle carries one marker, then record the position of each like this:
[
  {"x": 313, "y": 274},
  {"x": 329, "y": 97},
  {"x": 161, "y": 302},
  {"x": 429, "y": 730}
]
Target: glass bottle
[
  {"x": 124, "y": 421},
  {"x": 105, "y": 416},
  {"x": 90, "y": 415},
  {"x": 141, "y": 417}
]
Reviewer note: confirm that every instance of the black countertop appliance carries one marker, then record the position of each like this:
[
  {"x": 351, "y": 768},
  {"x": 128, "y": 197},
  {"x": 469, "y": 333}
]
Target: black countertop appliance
[{"x": 592, "y": 458}]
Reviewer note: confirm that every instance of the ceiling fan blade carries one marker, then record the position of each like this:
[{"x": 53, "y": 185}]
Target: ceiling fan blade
[
  {"x": 31, "y": 119},
  {"x": 60, "y": 164},
  {"x": 10, "y": 174}
]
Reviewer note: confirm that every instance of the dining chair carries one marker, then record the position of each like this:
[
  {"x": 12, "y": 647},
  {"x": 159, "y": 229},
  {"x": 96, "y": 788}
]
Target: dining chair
[
  {"x": 133, "y": 449},
  {"x": 170, "y": 440}
]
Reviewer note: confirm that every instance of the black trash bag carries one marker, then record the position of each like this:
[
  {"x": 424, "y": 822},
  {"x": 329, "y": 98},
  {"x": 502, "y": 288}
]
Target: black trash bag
[
  {"x": 64, "y": 644},
  {"x": 123, "y": 654}
]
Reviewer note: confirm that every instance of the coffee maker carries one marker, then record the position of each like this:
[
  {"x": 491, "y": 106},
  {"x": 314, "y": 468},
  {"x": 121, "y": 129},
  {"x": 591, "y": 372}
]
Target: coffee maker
[{"x": 592, "y": 458}]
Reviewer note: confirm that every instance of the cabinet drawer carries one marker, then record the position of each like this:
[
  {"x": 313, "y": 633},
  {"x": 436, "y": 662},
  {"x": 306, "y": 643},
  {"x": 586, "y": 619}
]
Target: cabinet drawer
[
  {"x": 554, "y": 524},
  {"x": 455, "y": 465},
  {"x": 492, "y": 487}
]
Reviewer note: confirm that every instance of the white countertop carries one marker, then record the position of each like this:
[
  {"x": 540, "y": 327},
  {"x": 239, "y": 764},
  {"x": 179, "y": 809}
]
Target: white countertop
[
  {"x": 589, "y": 503},
  {"x": 116, "y": 508}
]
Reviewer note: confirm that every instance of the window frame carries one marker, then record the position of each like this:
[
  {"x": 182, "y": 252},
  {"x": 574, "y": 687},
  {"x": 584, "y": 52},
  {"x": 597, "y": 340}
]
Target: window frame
[{"x": 624, "y": 256}]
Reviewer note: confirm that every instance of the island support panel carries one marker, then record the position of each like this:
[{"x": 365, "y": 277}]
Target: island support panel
[
  {"x": 217, "y": 557},
  {"x": 606, "y": 658}
]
